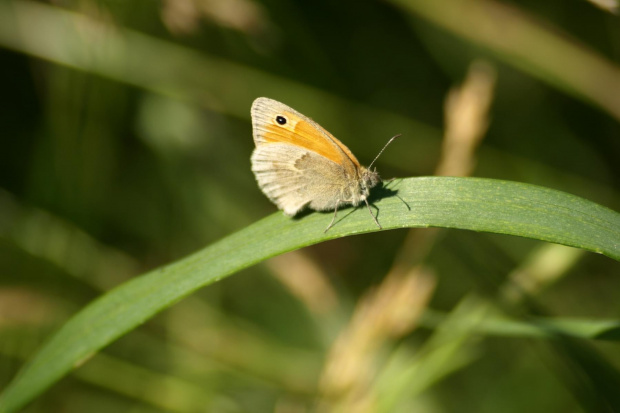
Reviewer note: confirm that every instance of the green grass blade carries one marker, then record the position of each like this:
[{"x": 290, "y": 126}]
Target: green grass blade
[
  {"x": 465, "y": 203},
  {"x": 532, "y": 47},
  {"x": 535, "y": 327}
]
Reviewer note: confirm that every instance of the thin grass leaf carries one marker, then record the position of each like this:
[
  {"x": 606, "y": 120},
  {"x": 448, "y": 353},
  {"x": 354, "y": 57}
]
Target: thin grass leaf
[{"x": 593, "y": 329}]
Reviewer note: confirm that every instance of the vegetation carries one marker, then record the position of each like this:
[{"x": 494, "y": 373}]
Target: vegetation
[{"x": 126, "y": 187}]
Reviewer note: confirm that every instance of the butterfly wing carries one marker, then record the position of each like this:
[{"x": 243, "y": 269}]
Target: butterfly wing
[
  {"x": 297, "y": 162},
  {"x": 293, "y": 177},
  {"x": 299, "y": 130}
]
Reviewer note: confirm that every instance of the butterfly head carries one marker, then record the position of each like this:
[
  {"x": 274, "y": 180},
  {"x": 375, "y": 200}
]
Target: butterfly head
[{"x": 368, "y": 179}]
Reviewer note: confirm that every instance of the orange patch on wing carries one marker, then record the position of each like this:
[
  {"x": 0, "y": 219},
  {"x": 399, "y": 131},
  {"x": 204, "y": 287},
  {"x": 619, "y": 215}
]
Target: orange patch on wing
[{"x": 307, "y": 136}]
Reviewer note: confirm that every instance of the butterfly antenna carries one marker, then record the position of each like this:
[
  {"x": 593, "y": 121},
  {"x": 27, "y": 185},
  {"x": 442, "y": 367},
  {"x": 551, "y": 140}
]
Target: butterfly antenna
[{"x": 380, "y": 152}]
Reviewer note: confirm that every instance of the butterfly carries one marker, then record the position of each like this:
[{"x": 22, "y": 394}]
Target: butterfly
[{"x": 299, "y": 164}]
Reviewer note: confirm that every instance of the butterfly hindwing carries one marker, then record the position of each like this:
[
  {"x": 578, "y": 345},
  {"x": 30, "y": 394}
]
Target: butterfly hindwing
[{"x": 293, "y": 178}]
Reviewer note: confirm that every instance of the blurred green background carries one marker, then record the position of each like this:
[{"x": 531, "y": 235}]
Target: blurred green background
[{"x": 126, "y": 140}]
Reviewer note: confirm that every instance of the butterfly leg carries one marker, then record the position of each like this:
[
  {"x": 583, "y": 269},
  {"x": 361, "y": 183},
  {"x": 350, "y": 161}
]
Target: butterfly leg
[
  {"x": 373, "y": 217},
  {"x": 333, "y": 219}
]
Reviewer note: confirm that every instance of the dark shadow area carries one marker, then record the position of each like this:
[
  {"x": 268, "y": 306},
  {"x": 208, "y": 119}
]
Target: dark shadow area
[{"x": 611, "y": 334}]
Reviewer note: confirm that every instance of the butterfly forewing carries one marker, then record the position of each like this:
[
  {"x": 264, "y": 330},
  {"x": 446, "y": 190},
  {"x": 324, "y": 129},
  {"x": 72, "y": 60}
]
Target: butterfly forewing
[{"x": 300, "y": 131}]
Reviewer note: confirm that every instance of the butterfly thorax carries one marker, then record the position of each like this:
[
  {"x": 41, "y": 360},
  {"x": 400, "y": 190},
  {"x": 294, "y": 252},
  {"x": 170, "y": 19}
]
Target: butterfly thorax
[{"x": 367, "y": 180}]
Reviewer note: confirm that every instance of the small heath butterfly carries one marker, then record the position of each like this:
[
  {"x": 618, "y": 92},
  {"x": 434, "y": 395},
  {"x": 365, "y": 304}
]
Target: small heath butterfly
[{"x": 297, "y": 163}]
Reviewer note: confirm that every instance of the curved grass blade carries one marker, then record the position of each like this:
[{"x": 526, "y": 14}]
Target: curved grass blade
[{"x": 466, "y": 203}]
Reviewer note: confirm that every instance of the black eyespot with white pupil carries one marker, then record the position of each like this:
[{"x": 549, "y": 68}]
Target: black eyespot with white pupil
[{"x": 281, "y": 120}]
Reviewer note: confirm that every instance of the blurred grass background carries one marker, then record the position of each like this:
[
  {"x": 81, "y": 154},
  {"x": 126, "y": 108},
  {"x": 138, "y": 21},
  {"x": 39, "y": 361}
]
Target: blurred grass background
[{"x": 126, "y": 140}]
